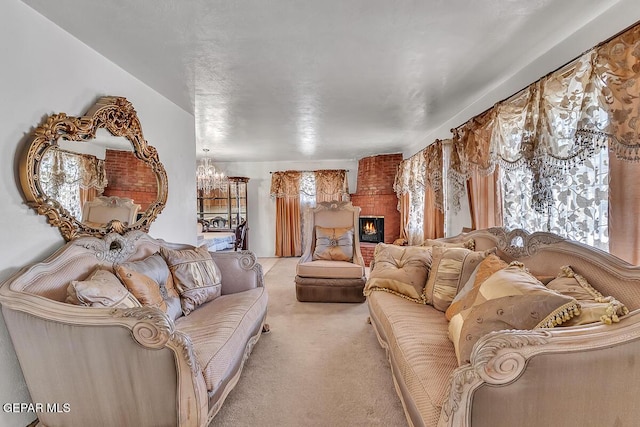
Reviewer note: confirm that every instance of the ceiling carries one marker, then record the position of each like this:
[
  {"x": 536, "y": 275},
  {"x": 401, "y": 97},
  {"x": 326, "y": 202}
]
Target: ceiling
[{"x": 324, "y": 79}]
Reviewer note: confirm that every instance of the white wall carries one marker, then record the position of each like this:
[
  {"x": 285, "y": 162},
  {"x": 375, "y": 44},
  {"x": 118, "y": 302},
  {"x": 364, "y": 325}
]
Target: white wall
[
  {"x": 45, "y": 70},
  {"x": 620, "y": 16},
  {"x": 262, "y": 208}
]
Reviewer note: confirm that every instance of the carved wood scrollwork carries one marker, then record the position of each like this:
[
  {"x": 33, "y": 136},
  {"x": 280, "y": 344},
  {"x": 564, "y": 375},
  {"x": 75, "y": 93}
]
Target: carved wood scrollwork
[{"x": 115, "y": 114}]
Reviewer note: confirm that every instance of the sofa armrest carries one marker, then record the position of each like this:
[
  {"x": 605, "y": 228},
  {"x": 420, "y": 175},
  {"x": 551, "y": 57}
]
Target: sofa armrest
[
  {"x": 562, "y": 376},
  {"x": 69, "y": 355},
  {"x": 240, "y": 271}
]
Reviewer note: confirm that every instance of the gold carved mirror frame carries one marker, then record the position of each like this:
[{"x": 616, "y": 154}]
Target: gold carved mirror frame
[{"x": 116, "y": 115}]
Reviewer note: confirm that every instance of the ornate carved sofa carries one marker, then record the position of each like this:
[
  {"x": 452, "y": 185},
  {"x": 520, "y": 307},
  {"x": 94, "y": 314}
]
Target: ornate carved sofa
[
  {"x": 130, "y": 366},
  {"x": 577, "y": 375}
]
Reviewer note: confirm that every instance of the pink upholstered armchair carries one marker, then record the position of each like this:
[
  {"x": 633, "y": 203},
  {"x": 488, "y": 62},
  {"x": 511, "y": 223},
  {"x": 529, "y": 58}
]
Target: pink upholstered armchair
[{"x": 331, "y": 268}]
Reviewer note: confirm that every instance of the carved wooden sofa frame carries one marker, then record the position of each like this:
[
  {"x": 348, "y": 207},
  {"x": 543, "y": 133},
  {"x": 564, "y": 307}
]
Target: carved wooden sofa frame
[
  {"x": 581, "y": 375},
  {"x": 134, "y": 361}
]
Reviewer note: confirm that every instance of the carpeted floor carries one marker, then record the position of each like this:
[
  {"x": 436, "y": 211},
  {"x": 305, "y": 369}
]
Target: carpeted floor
[{"x": 321, "y": 365}]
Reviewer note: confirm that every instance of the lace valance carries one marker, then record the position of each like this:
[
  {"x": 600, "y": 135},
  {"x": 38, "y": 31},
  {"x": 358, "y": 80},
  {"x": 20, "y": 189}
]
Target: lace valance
[
  {"x": 331, "y": 184},
  {"x": 617, "y": 72},
  {"x": 285, "y": 184}
]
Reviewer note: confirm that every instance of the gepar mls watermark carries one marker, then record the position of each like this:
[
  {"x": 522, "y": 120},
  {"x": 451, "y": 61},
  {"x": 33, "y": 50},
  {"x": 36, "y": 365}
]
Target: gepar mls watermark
[{"x": 22, "y": 407}]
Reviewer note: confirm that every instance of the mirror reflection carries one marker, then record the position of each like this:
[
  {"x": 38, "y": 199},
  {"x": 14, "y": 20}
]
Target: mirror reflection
[
  {"x": 84, "y": 176},
  {"x": 94, "y": 174}
]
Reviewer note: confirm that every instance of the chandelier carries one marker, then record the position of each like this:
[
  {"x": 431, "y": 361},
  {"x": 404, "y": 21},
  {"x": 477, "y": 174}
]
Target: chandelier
[{"x": 207, "y": 177}]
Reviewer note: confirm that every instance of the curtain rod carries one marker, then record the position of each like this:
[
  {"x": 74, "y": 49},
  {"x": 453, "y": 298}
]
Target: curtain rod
[
  {"x": 346, "y": 170},
  {"x": 551, "y": 72}
]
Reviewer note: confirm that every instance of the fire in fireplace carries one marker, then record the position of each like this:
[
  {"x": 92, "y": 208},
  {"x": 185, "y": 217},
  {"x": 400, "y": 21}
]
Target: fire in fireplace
[{"x": 372, "y": 229}]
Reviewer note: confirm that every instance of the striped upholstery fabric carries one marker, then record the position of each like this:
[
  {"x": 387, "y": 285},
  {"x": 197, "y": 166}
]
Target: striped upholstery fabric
[
  {"x": 419, "y": 348},
  {"x": 220, "y": 329}
]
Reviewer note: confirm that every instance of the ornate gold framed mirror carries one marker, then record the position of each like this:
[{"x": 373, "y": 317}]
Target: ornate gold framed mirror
[{"x": 94, "y": 174}]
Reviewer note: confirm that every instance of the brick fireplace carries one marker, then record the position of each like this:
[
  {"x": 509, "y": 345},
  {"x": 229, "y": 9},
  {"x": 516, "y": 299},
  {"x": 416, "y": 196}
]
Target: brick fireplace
[{"x": 376, "y": 198}]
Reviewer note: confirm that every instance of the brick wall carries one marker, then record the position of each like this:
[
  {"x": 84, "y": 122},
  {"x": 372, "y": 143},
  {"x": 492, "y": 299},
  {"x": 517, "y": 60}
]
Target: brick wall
[
  {"x": 375, "y": 196},
  {"x": 130, "y": 177}
]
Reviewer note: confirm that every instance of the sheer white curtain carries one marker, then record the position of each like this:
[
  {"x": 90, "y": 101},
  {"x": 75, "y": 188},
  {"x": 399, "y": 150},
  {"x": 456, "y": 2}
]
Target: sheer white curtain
[
  {"x": 580, "y": 206},
  {"x": 307, "y": 201}
]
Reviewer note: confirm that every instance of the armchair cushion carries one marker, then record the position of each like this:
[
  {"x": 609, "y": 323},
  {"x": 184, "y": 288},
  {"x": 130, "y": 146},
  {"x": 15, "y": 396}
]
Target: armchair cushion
[
  {"x": 101, "y": 289},
  {"x": 330, "y": 269},
  {"x": 334, "y": 244},
  {"x": 195, "y": 274}
]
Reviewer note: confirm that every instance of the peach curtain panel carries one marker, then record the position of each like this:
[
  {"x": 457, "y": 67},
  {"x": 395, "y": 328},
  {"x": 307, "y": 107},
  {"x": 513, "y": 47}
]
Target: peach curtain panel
[
  {"x": 433, "y": 225},
  {"x": 285, "y": 187},
  {"x": 485, "y": 200},
  {"x": 618, "y": 65},
  {"x": 331, "y": 185}
]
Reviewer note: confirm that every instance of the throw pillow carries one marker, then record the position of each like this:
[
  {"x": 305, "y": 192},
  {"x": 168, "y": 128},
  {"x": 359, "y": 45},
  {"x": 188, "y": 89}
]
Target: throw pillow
[
  {"x": 594, "y": 307},
  {"x": 400, "y": 270},
  {"x": 511, "y": 298},
  {"x": 195, "y": 275},
  {"x": 155, "y": 267},
  {"x": 101, "y": 289},
  {"x": 144, "y": 288},
  {"x": 334, "y": 244},
  {"x": 467, "y": 244},
  {"x": 450, "y": 270},
  {"x": 485, "y": 269}
]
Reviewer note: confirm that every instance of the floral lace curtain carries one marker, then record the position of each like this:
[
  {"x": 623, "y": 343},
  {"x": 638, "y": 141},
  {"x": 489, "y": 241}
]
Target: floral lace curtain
[
  {"x": 415, "y": 175},
  {"x": 70, "y": 178},
  {"x": 307, "y": 201}
]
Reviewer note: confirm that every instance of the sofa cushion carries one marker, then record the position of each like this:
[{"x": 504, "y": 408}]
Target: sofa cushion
[
  {"x": 400, "y": 270},
  {"x": 195, "y": 275},
  {"x": 144, "y": 288},
  {"x": 421, "y": 356},
  {"x": 594, "y": 307},
  {"x": 333, "y": 244},
  {"x": 450, "y": 270},
  {"x": 156, "y": 268},
  {"x": 509, "y": 299},
  {"x": 485, "y": 269},
  {"x": 101, "y": 289},
  {"x": 467, "y": 244},
  {"x": 330, "y": 269},
  {"x": 220, "y": 330}
]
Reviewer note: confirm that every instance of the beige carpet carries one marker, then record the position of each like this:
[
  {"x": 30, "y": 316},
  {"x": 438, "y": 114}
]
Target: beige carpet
[{"x": 321, "y": 365}]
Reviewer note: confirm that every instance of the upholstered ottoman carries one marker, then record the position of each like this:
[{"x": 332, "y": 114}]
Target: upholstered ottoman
[{"x": 313, "y": 289}]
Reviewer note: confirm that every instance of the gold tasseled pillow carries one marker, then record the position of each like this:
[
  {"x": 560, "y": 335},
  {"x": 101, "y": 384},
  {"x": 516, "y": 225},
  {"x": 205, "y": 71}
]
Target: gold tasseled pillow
[
  {"x": 400, "y": 270},
  {"x": 511, "y": 298},
  {"x": 594, "y": 307},
  {"x": 334, "y": 244},
  {"x": 195, "y": 275}
]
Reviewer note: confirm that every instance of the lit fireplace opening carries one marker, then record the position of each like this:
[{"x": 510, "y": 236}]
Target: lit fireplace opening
[{"x": 372, "y": 229}]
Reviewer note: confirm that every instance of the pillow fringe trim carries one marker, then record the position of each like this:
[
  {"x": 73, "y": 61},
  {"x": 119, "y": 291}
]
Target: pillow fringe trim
[
  {"x": 422, "y": 301},
  {"x": 560, "y": 315}
]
